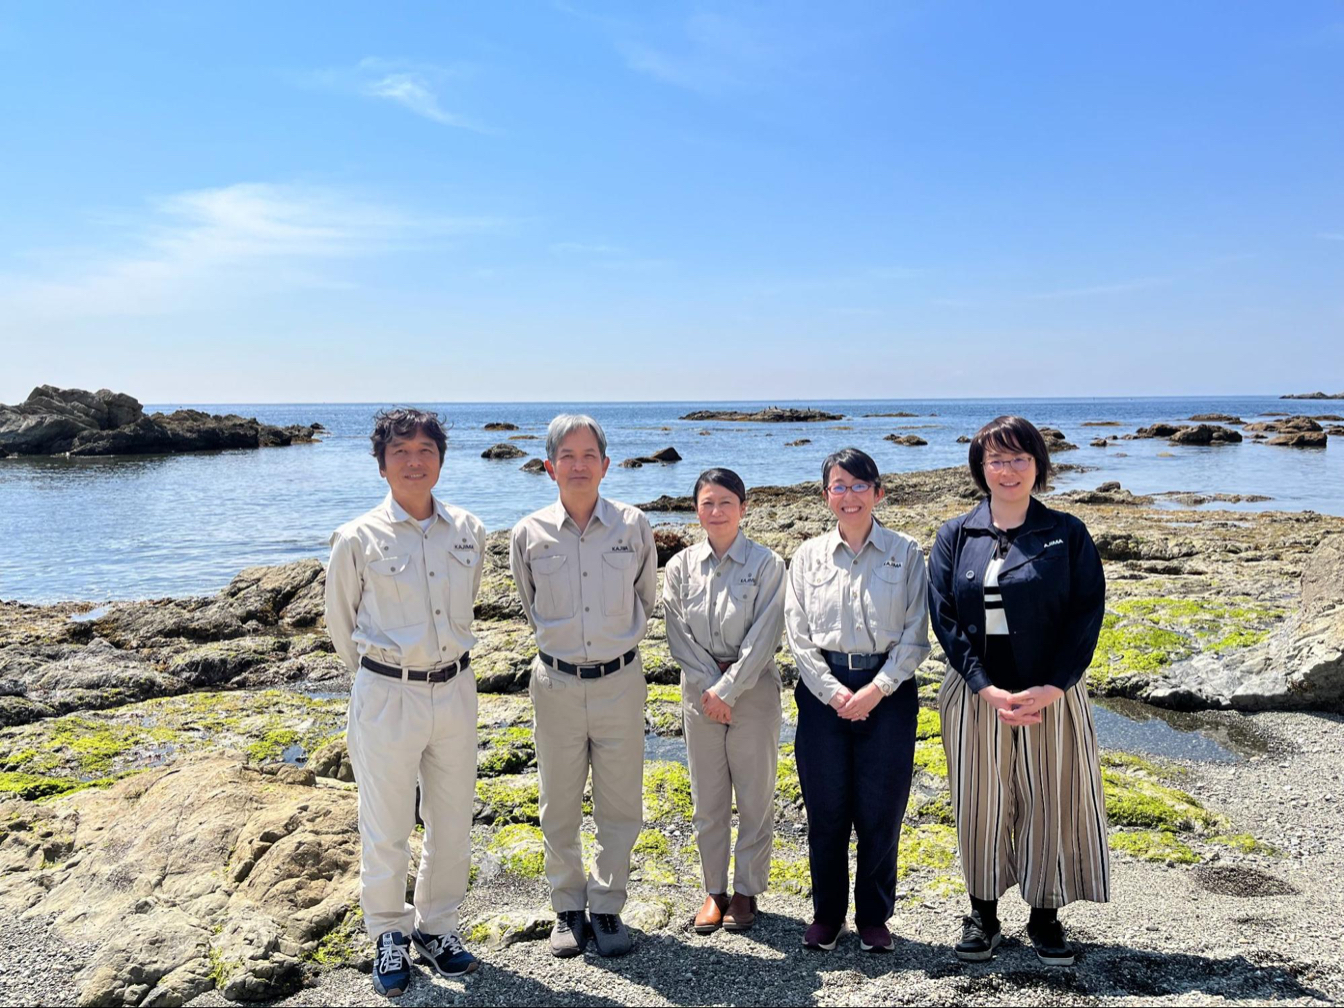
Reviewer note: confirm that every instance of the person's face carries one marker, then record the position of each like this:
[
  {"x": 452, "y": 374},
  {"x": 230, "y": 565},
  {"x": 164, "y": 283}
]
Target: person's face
[
  {"x": 850, "y": 506},
  {"x": 1010, "y": 473},
  {"x": 411, "y": 465},
  {"x": 719, "y": 510},
  {"x": 579, "y": 466}
]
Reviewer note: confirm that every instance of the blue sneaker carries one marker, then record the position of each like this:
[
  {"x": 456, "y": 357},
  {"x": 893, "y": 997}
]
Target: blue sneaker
[
  {"x": 444, "y": 953},
  {"x": 391, "y": 964}
]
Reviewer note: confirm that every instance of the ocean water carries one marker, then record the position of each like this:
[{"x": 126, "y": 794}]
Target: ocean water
[{"x": 154, "y": 526}]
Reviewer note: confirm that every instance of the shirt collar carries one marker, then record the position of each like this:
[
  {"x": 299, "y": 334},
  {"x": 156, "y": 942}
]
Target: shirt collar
[
  {"x": 878, "y": 536},
  {"x": 604, "y": 513},
  {"x": 1038, "y": 517},
  {"x": 737, "y": 552},
  {"x": 397, "y": 513}
]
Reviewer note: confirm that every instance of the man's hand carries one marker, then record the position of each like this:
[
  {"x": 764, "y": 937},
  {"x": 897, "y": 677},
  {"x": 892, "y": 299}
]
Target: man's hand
[
  {"x": 861, "y": 703},
  {"x": 715, "y": 709}
]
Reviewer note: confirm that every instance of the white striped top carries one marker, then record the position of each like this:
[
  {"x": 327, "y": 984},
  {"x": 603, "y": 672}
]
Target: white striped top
[{"x": 996, "y": 620}]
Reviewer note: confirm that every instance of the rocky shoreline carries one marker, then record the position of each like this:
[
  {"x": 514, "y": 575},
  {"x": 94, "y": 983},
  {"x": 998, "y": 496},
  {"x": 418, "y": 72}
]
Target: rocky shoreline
[
  {"x": 54, "y": 421},
  {"x": 181, "y": 811}
]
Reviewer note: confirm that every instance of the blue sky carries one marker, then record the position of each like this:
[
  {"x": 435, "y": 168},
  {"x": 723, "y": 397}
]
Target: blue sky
[{"x": 254, "y": 202}]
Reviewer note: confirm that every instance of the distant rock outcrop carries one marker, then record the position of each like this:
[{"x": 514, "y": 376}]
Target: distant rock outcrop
[
  {"x": 54, "y": 421},
  {"x": 662, "y": 456},
  {"x": 503, "y": 451},
  {"x": 912, "y": 440},
  {"x": 500, "y": 425},
  {"x": 535, "y": 465},
  {"x": 1055, "y": 440},
  {"x": 771, "y": 414},
  {"x": 1315, "y": 395}
]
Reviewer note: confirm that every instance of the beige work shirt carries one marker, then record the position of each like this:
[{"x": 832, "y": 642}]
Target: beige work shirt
[
  {"x": 587, "y": 593},
  {"x": 728, "y": 609},
  {"x": 401, "y": 594},
  {"x": 872, "y": 602}
]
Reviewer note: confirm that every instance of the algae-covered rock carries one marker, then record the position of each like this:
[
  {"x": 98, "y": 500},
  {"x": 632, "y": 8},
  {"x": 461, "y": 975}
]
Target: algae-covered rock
[
  {"x": 1153, "y": 845},
  {"x": 667, "y": 791},
  {"x": 509, "y": 798},
  {"x": 503, "y": 929},
  {"x": 520, "y": 850}
]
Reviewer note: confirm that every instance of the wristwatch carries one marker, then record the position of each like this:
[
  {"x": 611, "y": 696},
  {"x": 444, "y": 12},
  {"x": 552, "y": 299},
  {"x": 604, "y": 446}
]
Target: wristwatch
[{"x": 886, "y": 686}]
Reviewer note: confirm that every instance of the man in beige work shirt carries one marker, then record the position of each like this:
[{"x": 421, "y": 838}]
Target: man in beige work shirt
[
  {"x": 401, "y": 587},
  {"x": 587, "y": 569}
]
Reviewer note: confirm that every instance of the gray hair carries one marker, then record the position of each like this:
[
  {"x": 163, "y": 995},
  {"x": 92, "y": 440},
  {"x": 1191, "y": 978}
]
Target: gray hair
[{"x": 566, "y": 424}]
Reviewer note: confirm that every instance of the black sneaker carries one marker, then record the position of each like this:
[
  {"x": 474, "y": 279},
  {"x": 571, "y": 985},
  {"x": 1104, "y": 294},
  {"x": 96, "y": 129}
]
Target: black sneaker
[
  {"x": 569, "y": 937},
  {"x": 444, "y": 953},
  {"x": 978, "y": 941},
  {"x": 1047, "y": 938},
  {"x": 391, "y": 964}
]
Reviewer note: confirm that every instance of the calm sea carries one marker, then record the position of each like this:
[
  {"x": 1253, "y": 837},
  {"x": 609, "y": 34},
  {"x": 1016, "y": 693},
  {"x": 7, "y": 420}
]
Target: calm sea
[{"x": 144, "y": 527}]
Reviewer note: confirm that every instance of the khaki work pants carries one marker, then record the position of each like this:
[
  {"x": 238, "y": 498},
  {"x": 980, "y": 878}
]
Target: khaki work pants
[
  {"x": 741, "y": 757},
  {"x": 400, "y": 733},
  {"x": 583, "y": 723}
]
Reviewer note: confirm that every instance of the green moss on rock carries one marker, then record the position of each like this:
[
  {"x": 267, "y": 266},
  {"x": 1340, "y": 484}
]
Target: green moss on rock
[
  {"x": 520, "y": 849},
  {"x": 1135, "y": 801},
  {"x": 1153, "y": 845},
  {"x": 932, "y": 846},
  {"x": 792, "y": 875},
  {"x": 929, "y": 754},
  {"x": 33, "y": 786},
  {"x": 928, "y": 725},
  {"x": 788, "y": 789},
  {"x": 510, "y": 798},
  {"x": 343, "y": 944},
  {"x": 667, "y": 791}
]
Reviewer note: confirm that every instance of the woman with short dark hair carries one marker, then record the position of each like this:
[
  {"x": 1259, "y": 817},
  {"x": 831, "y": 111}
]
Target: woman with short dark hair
[
  {"x": 1016, "y": 598},
  {"x": 723, "y": 603},
  {"x": 857, "y": 624}
]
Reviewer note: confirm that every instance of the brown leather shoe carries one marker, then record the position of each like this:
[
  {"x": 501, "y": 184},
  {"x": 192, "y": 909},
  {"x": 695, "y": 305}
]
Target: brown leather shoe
[
  {"x": 710, "y": 917},
  {"x": 741, "y": 913}
]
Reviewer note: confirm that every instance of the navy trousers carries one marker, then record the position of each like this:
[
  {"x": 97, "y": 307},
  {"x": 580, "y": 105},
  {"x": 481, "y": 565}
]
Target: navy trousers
[{"x": 855, "y": 775}]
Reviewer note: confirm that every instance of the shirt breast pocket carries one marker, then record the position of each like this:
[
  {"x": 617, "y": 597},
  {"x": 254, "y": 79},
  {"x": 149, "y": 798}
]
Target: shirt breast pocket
[
  {"x": 461, "y": 574},
  {"x": 555, "y": 597},
  {"x": 823, "y": 597},
  {"x": 398, "y": 597},
  {"x": 888, "y": 598},
  {"x": 618, "y": 583}
]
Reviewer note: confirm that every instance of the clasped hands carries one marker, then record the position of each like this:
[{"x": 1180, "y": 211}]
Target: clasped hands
[
  {"x": 1023, "y": 707},
  {"x": 856, "y": 706},
  {"x": 716, "y": 709}
]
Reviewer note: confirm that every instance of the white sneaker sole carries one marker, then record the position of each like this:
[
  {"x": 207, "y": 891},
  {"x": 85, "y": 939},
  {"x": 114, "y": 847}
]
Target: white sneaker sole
[
  {"x": 982, "y": 956},
  {"x": 1067, "y": 960},
  {"x": 823, "y": 947}
]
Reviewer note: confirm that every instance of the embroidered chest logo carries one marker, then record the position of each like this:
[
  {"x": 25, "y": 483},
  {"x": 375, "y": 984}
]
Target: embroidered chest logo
[
  {"x": 465, "y": 546},
  {"x": 892, "y": 563},
  {"x": 621, "y": 548},
  {"x": 1054, "y": 542},
  {"x": 747, "y": 579}
]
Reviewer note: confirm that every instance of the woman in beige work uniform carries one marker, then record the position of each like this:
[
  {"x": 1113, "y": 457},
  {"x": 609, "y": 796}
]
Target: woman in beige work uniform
[{"x": 723, "y": 600}]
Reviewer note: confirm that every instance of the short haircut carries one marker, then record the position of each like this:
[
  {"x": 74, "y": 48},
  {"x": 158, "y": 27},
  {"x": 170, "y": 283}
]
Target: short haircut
[
  {"x": 405, "y": 422},
  {"x": 725, "y": 478},
  {"x": 1009, "y": 434},
  {"x": 566, "y": 424},
  {"x": 857, "y": 463}
]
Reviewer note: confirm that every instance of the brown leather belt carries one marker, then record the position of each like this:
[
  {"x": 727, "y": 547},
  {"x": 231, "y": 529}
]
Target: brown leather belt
[{"x": 441, "y": 674}]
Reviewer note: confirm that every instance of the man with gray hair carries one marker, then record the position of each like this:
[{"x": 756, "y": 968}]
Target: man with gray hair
[{"x": 587, "y": 570}]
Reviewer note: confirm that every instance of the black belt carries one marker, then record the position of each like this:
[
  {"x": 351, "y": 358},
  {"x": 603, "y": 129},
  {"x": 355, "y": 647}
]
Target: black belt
[
  {"x": 594, "y": 671},
  {"x": 842, "y": 661},
  {"x": 441, "y": 674}
]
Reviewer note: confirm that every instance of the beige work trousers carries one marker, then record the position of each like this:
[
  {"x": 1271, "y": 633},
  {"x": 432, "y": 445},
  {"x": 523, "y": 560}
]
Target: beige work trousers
[
  {"x": 1028, "y": 801},
  {"x": 400, "y": 733},
  {"x": 583, "y": 723},
  {"x": 741, "y": 757}
]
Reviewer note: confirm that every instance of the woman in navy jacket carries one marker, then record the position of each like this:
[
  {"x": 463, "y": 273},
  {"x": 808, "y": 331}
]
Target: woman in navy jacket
[{"x": 1016, "y": 598}]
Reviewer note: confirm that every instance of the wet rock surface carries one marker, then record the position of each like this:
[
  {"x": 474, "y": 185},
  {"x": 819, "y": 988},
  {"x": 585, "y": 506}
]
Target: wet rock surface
[{"x": 771, "y": 414}]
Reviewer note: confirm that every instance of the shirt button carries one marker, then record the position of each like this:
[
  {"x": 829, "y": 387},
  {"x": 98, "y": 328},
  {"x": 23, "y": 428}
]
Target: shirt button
[
  {"x": 431, "y": 573},
  {"x": 585, "y": 573},
  {"x": 444, "y": 648},
  {"x": 439, "y": 612},
  {"x": 971, "y": 628},
  {"x": 585, "y": 608},
  {"x": 970, "y": 575},
  {"x": 589, "y": 643}
]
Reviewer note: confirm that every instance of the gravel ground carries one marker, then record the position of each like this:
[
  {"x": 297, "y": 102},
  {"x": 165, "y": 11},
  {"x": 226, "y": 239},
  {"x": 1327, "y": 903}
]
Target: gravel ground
[{"x": 1248, "y": 928}]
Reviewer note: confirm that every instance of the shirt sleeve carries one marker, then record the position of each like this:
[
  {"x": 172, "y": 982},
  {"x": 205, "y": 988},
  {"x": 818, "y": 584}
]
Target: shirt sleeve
[
  {"x": 913, "y": 647},
  {"x": 522, "y": 573},
  {"x": 696, "y": 663},
  {"x": 343, "y": 591},
  {"x": 1084, "y": 613},
  {"x": 943, "y": 612},
  {"x": 479, "y": 529},
  {"x": 762, "y": 638},
  {"x": 646, "y": 580},
  {"x": 812, "y": 667}
]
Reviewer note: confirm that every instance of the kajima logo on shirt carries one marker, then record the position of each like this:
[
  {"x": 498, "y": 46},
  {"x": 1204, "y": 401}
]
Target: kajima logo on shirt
[
  {"x": 464, "y": 546},
  {"x": 1054, "y": 542},
  {"x": 891, "y": 562},
  {"x": 747, "y": 579},
  {"x": 621, "y": 548}
]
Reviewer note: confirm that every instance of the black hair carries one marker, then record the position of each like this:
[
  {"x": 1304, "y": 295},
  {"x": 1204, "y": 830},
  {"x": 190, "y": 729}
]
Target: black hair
[
  {"x": 1009, "y": 434},
  {"x": 725, "y": 478},
  {"x": 405, "y": 422},
  {"x": 857, "y": 463}
]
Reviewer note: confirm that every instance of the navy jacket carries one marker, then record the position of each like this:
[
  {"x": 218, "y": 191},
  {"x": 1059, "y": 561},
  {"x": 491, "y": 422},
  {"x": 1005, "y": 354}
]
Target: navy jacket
[{"x": 1054, "y": 594}]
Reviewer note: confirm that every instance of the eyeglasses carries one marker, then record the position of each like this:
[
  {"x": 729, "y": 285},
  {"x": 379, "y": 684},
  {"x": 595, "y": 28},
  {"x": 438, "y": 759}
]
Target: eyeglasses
[
  {"x": 839, "y": 489},
  {"x": 1018, "y": 464}
]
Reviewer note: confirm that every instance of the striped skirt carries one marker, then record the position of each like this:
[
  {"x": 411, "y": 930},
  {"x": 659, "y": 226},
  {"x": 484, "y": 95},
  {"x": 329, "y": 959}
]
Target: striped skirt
[{"x": 1028, "y": 801}]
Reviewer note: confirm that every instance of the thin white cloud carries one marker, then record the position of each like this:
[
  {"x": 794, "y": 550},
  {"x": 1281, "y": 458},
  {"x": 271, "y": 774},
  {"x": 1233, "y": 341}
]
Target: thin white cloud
[
  {"x": 1123, "y": 286},
  {"x": 414, "y": 86},
  {"x": 714, "y": 54},
  {"x": 215, "y": 246}
]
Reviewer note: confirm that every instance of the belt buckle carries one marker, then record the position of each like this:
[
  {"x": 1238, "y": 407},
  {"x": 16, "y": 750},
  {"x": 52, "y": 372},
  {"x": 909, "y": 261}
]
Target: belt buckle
[
  {"x": 849, "y": 662},
  {"x": 589, "y": 671}
]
